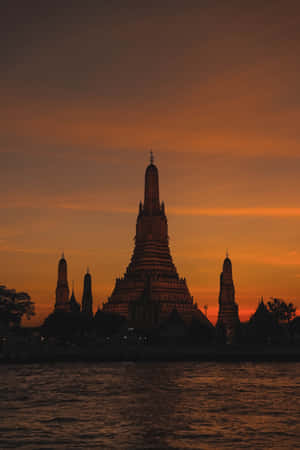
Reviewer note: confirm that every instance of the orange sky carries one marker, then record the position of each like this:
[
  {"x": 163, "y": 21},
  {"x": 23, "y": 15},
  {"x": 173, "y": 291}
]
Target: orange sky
[{"x": 212, "y": 88}]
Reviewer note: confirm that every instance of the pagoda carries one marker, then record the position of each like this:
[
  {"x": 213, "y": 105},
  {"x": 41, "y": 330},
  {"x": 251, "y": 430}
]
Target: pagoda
[
  {"x": 228, "y": 317},
  {"x": 87, "y": 298},
  {"x": 62, "y": 288},
  {"x": 151, "y": 289}
]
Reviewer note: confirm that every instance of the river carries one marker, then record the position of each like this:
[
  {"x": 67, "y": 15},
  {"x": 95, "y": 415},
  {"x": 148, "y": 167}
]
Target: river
[{"x": 186, "y": 405}]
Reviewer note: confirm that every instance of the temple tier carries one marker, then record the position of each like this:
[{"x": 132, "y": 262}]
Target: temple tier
[{"x": 151, "y": 288}]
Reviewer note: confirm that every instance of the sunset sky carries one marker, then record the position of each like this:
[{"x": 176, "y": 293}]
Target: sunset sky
[{"x": 212, "y": 87}]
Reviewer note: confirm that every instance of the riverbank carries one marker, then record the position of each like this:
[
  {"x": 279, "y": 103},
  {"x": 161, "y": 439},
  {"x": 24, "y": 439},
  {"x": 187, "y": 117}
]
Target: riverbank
[{"x": 123, "y": 352}]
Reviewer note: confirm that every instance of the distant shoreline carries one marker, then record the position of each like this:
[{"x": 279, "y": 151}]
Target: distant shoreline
[{"x": 145, "y": 353}]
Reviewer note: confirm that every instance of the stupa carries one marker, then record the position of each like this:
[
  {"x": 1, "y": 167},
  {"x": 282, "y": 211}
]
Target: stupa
[
  {"x": 62, "y": 288},
  {"x": 151, "y": 287},
  {"x": 87, "y": 298},
  {"x": 228, "y": 317}
]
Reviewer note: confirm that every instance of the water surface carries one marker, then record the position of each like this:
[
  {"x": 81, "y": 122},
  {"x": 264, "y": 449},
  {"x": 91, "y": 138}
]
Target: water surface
[{"x": 150, "y": 405}]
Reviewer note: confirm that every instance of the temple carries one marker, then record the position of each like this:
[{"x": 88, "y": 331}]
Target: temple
[
  {"x": 228, "y": 317},
  {"x": 87, "y": 298},
  {"x": 62, "y": 288},
  {"x": 70, "y": 305},
  {"x": 151, "y": 288}
]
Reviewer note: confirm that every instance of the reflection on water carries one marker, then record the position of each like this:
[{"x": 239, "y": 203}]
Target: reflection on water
[{"x": 150, "y": 405}]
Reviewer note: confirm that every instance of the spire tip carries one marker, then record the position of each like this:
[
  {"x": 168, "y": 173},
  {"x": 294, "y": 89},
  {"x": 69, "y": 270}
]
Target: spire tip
[{"x": 151, "y": 157}]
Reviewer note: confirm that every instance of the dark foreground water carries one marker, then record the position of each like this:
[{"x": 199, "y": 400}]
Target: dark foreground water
[{"x": 150, "y": 405}]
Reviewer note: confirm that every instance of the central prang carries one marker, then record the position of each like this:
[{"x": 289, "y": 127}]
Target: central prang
[{"x": 151, "y": 289}]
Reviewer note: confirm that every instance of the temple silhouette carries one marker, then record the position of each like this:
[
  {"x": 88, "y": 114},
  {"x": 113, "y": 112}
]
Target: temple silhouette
[
  {"x": 65, "y": 304},
  {"x": 151, "y": 291},
  {"x": 151, "y": 288},
  {"x": 228, "y": 317},
  {"x": 87, "y": 298},
  {"x": 62, "y": 302}
]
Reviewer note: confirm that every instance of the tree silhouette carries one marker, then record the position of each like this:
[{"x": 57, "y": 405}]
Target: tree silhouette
[
  {"x": 281, "y": 310},
  {"x": 263, "y": 326},
  {"x": 294, "y": 328},
  {"x": 14, "y": 305},
  {"x": 67, "y": 324}
]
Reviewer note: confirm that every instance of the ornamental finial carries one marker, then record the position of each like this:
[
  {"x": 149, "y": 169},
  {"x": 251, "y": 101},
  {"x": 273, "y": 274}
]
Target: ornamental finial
[
  {"x": 227, "y": 254},
  {"x": 151, "y": 157}
]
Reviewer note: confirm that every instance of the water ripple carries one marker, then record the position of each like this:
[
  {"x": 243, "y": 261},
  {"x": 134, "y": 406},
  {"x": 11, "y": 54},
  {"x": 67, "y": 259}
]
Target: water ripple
[{"x": 153, "y": 405}]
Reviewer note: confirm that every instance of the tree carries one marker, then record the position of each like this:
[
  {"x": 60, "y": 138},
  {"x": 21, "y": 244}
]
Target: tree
[
  {"x": 14, "y": 305},
  {"x": 263, "y": 326},
  {"x": 294, "y": 329},
  {"x": 282, "y": 311},
  {"x": 68, "y": 325}
]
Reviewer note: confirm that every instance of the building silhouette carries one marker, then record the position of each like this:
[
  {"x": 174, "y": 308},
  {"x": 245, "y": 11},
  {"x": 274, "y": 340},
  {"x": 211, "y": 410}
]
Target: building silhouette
[
  {"x": 228, "y": 317},
  {"x": 74, "y": 305},
  {"x": 87, "y": 298},
  {"x": 151, "y": 288},
  {"x": 62, "y": 288},
  {"x": 63, "y": 302}
]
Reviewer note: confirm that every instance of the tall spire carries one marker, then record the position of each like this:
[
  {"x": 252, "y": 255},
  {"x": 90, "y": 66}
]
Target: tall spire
[
  {"x": 151, "y": 288},
  {"x": 151, "y": 200},
  {"x": 87, "y": 298},
  {"x": 62, "y": 270},
  {"x": 228, "y": 309},
  {"x": 151, "y": 157},
  {"x": 62, "y": 288},
  {"x": 227, "y": 268}
]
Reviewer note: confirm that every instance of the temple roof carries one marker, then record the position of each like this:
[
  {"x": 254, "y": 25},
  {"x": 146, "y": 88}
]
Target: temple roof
[
  {"x": 74, "y": 305},
  {"x": 73, "y": 299}
]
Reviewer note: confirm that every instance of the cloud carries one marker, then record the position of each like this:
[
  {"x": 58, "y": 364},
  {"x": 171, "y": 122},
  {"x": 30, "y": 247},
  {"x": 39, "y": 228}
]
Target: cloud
[
  {"x": 254, "y": 212},
  {"x": 91, "y": 203}
]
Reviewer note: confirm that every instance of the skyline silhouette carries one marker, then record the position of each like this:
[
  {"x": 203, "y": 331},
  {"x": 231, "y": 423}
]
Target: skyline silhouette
[
  {"x": 212, "y": 88},
  {"x": 43, "y": 308},
  {"x": 153, "y": 193},
  {"x": 150, "y": 224}
]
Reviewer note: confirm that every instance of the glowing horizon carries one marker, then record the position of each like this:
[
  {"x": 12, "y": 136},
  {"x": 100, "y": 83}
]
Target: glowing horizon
[{"x": 213, "y": 89}]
